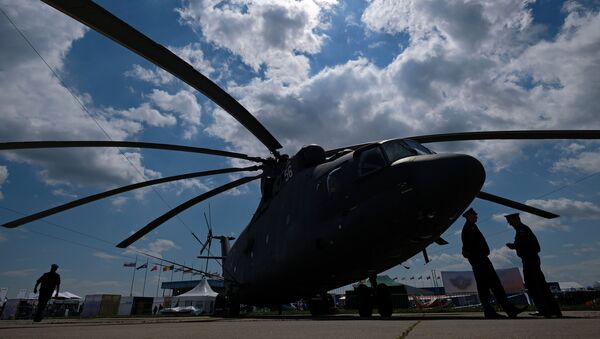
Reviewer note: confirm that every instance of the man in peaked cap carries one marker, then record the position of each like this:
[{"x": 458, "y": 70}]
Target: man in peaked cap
[
  {"x": 476, "y": 250},
  {"x": 527, "y": 247}
]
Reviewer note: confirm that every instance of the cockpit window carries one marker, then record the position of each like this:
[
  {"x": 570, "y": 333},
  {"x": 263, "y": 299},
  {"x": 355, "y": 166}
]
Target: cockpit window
[
  {"x": 396, "y": 149},
  {"x": 371, "y": 160},
  {"x": 420, "y": 149}
]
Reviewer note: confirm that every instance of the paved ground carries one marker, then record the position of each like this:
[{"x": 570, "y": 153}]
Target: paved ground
[{"x": 430, "y": 325}]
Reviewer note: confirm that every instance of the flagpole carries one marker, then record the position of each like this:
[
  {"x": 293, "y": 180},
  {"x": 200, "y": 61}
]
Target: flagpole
[
  {"x": 182, "y": 271},
  {"x": 133, "y": 278},
  {"x": 172, "y": 271},
  {"x": 145, "y": 276},
  {"x": 158, "y": 283}
]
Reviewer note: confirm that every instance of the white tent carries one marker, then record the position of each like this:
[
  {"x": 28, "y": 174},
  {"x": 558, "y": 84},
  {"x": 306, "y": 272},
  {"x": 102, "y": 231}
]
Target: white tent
[
  {"x": 61, "y": 295},
  {"x": 67, "y": 295},
  {"x": 201, "y": 297}
]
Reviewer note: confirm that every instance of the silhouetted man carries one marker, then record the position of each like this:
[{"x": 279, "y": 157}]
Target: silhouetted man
[
  {"x": 49, "y": 282},
  {"x": 527, "y": 248},
  {"x": 476, "y": 250}
]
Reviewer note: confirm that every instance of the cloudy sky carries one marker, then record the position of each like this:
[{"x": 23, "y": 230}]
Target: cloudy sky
[{"x": 312, "y": 71}]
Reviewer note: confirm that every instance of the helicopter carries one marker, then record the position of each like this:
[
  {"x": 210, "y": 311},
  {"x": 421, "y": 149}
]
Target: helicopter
[{"x": 326, "y": 218}]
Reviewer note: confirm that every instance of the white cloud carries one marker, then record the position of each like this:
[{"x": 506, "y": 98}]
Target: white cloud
[
  {"x": 119, "y": 201},
  {"x": 272, "y": 33},
  {"x": 47, "y": 111},
  {"x": 19, "y": 273},
  {"x": 3, "y": 237},
  {"x": 3, "y": 177},
  {"x": 155, "y": 248},
  {"x": 586, "y": 162},
  {"x": 443, "y": 81},
  {"x": 60, "y": 192},
  {"x": 144, "y": 113},
  {"x": 106, "y": 256},
  {"x": 157, "y": 76},
  {"x": 184, "y": 104},
  {"x": 504, "y": 257},
  {"x": 536, "y": 223},
  {"x": 575, "y": 209}
]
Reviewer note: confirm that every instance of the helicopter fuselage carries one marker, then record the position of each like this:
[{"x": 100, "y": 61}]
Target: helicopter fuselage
[{"x": 327, "y": 225}]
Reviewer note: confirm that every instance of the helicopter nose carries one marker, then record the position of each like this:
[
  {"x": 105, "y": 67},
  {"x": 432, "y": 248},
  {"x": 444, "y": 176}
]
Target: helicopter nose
[
  {"x": 445, "y": 184},
  {"x": 449, "y": 175}
]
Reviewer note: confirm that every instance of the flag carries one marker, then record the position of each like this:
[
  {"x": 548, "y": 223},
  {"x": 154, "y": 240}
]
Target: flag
[
  {"x": 178, "y": 269},
  {"x": 420, "y": 277},
  {"x": 129, "y": 264},
  {"x": 439, "y": 277},
  {"x": 412, "y": 278},
  {"x": 428, "y": 277},
  {"x": 142, "y": 266},
  {"x": 154, "y": 268},
  {"x": 168, "y": 268}
]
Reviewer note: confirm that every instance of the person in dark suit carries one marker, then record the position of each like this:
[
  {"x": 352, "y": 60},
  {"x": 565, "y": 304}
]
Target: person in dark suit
[
  {"x": 528, "y": 247},
  {"x": 49, "y": 281},
  {"x": 476, "y": 250}
]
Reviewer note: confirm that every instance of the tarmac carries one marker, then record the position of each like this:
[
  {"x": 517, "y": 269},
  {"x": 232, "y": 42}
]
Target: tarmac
[{"x": 574, "y": 324}]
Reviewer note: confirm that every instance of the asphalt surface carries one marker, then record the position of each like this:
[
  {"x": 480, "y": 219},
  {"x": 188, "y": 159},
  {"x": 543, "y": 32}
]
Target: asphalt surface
[{"x": 585, "y": 324}]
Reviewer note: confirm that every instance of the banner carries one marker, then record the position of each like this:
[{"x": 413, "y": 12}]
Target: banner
[{"x": 464, "y": 281}]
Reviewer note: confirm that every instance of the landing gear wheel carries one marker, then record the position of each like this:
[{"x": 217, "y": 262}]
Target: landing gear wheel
[
  {"x": 384, "y": 300},
  {"x": 364, "y": 300},
  {"x": 319, "y": 304}
]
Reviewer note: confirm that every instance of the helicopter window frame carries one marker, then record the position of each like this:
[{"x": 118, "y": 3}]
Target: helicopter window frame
[
  {"x": 418, "y": 147},
  {"x": 393, "y": 155},
  {"x": 362, "y": 171}
]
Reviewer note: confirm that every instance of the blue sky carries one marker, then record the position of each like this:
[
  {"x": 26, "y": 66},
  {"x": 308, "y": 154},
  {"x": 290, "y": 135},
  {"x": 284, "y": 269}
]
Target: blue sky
[{"x": 322, "y": 71}]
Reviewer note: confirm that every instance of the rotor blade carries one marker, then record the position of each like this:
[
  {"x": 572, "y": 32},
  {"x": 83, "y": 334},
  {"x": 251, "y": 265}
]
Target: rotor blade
[
  {"x": 512, "y": 135},
  {"x": 208, "y": 237},
  {"x": 170, "y": 214},
  {"x": 425, "y": 256},
  {"x": 88, "y": 199},
  {"x": 490, "y": 135},
  {"x": 204, "y": 246},
  {"x": 516, "y": 205},
  {"x": 99, "y": 19},
  {"x": 207, "y": 223},
  {"x": 128, "y": 144},
  {"x": 441, "y": 241}
]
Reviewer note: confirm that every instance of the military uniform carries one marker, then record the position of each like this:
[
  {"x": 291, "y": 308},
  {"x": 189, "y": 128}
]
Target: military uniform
[
  {"x": 528, "y": 247},
  {"x": 476, "y": 250}
]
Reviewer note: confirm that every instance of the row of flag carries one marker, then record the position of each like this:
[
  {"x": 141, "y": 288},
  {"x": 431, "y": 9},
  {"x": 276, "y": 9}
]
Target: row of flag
[
  {"x": 155, "y": 268},
  {"x": 418, "y": 278}
]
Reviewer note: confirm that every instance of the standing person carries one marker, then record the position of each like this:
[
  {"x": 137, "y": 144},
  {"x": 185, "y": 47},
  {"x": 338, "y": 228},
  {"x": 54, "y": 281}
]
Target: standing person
[
  {"x": 49, "y": 281},
  {"x": 528, "y": 247},
  {"x": 476, "y": 250}
]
